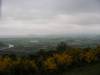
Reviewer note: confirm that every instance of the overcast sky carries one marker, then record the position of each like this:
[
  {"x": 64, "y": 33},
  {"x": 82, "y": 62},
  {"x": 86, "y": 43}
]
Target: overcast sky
[{"x": 23, "y": 17}]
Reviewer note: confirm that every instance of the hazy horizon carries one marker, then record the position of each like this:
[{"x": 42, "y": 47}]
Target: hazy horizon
[{"x": 49, "y": 17}]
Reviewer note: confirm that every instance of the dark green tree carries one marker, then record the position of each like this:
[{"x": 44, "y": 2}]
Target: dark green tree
[
  {"x": 2, "y": 44},
  {"x": 62, "y": 46}
]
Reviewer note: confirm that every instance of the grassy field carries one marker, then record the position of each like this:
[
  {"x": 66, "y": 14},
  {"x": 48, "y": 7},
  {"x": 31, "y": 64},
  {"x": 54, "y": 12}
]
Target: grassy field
[{"x": 91, "y": 69}]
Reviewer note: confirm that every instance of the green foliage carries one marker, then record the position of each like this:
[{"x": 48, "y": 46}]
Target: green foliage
[
  {"x": 2, "y": 44},
  {"x": 62, "y": 46}
]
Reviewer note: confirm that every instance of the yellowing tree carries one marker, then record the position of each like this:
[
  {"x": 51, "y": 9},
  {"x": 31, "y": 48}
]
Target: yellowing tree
[
  {"x": 33, "y": 64},
  {"x": 88, "y": 56},
  {"x": 63, "y": 58},
  {"x": 5, "y": 63},
  {"x": 49, "y": 64}
]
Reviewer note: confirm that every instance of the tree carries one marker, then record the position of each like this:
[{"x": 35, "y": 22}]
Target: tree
[
  {"x": 62, "y": 46},
  {"x": 98, "y": 52},
  {"x": 2, "y": 44},
  {"x": 50, "y": 64},
  {"x": 63, "y": 58},
  {"x": 88, "y": 55}
]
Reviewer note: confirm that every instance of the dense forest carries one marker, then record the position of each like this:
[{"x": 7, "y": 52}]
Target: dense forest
[{"x": 55, "y": 62}]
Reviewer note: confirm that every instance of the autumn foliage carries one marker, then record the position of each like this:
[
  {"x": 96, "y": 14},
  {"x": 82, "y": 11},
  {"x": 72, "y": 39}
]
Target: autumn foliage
[{"x": 47, "y": 62}]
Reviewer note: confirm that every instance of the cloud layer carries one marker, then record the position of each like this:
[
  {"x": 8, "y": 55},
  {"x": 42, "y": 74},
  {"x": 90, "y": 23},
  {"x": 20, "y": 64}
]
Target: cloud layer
[{"x": 22, "y": 17}]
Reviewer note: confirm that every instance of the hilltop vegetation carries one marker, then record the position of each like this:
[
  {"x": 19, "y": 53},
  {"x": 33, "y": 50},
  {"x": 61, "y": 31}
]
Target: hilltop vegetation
[{"x": 64, "y": 60}]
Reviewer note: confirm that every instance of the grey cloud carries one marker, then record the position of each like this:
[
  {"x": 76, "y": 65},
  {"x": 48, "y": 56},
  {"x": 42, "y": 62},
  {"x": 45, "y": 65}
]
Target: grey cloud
[
  {"x": 64, "y": 6},
  {"x": 50, "y": 16}
]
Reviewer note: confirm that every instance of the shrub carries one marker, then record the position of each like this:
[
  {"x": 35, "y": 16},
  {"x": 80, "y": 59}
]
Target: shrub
[
  {"x": 88, "y": 56},
  {"x": 50, "y": 64},
  {"x": 63, "y": 58}
]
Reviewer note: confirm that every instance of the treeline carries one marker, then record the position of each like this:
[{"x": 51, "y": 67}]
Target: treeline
[
  {"x": 49, "y": 62},
  {"x": 2, "y": 45}
]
